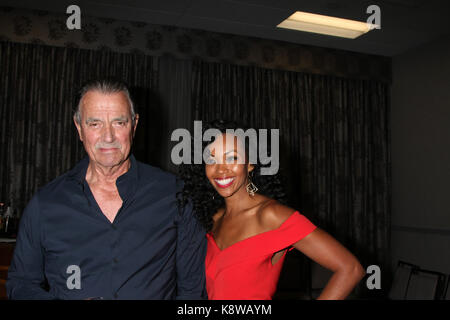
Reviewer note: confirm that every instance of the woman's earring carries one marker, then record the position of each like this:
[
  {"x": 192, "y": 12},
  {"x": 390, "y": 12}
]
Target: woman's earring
[{"x": 251, "y": 188}]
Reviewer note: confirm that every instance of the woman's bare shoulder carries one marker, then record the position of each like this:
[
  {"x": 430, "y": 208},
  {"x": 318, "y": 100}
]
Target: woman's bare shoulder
[{"x": 272, "y": 214}]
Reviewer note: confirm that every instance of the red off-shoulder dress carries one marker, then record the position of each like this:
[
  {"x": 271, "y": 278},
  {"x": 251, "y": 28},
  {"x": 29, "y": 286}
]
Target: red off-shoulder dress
[{"x": 244, "y": 270}]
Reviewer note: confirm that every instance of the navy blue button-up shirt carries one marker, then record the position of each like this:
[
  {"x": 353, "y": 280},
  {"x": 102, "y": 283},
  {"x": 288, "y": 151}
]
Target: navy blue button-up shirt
[{"x": 151, "y": 250}]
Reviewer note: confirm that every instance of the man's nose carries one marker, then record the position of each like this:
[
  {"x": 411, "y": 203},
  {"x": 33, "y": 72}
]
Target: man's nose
[{"x": 108, "y": 133}]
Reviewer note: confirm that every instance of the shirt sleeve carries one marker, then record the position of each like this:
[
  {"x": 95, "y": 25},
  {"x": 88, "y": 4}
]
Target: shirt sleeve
[
  {"x": 26, "y": 272},
  {"x": 191, "y": 252}
]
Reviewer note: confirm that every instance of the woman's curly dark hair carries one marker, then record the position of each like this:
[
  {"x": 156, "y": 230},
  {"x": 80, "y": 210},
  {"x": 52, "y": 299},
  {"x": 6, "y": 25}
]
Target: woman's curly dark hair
[{"x": 204, "y": 198}]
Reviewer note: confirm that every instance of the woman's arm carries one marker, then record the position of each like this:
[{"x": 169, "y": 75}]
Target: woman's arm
[
  {"x": 323, "y": 249},
  {"x": 329, "y": 253}
]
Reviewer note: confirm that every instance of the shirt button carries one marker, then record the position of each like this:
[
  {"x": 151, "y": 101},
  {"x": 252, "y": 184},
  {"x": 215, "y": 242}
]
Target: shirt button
[
  {"x": 114, "y": 227},
  {"x": 116, "y": 295},
  {"x": 115, "y": 260}
]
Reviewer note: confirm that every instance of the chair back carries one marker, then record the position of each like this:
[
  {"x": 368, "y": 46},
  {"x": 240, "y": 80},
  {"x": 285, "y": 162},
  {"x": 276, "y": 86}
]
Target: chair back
[
  {"x": 447, "y": 290},
  {"x": 401, "y": 280},
  {"x": 425, "y": 285}
]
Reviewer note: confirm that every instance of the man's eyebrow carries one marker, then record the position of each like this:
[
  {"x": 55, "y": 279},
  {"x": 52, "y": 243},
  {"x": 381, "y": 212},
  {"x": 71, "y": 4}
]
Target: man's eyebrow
[
  {"x": 121, "y": 118},
  {"x": 92, "y": 120}
]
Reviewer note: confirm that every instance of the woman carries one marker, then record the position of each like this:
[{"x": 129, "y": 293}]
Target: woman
[{"x": 249, "y": 231}]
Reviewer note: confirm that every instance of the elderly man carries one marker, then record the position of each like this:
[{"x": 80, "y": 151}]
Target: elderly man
[{"x": 110, "y": 228}]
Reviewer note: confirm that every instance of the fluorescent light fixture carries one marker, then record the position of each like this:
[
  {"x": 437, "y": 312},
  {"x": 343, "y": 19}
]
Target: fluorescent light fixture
[{"x": 317, "y": 23}]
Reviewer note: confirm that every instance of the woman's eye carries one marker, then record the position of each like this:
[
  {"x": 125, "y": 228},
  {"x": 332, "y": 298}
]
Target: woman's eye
[
  {"x": 210, "y": 160},
  {"x": 232, "y": 159}
]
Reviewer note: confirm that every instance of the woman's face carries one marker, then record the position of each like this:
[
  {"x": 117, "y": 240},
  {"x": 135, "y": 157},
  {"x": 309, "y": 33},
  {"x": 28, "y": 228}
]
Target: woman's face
[{"x": 227, "y": 169}]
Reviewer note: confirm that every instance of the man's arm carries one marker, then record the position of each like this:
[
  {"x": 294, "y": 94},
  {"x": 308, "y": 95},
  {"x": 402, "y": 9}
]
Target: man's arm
[
  {"x": 191, "y": 252},
  {"x": 26, "y": 273}
]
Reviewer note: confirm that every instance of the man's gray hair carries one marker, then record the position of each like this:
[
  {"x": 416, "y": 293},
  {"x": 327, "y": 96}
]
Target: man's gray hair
[{"x": 104, "y": 86}]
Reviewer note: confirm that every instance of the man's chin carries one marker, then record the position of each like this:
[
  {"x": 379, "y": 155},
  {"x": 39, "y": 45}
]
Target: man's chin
[{"x": 109, "y": 163}]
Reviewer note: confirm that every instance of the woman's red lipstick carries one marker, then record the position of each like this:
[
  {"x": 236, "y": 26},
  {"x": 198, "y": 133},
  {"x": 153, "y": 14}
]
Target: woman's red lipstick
[{"x": 224, "y": 183}]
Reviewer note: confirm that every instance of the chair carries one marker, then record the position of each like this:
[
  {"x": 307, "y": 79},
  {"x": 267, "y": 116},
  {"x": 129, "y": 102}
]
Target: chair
[
  {"x": 425, "y": 285},
  {"x": 447, "y": 291},
  {"x": 401, "y": 280}
]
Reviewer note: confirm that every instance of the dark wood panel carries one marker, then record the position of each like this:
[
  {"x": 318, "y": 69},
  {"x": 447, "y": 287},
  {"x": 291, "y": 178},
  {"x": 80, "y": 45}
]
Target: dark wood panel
[{"x": 6, "y": 253}]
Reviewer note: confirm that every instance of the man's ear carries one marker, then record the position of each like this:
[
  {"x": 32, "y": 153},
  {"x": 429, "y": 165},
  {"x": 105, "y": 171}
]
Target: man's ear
[
  {"x": 78, "y": 126},
  {"x": 136, "y": 120},
  {"x": 250, "y": 167}
]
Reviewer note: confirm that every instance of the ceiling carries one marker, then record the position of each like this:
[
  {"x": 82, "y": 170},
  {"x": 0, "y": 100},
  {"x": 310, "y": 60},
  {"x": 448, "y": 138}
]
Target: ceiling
[{"x": 405, "y": 24}]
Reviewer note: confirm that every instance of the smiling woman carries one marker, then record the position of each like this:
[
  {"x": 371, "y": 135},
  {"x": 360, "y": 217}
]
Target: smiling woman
[
  {"x": 227, "y": 168},
  {"x": 250, "y": 233},
  {"x": 199, "y": 189}
]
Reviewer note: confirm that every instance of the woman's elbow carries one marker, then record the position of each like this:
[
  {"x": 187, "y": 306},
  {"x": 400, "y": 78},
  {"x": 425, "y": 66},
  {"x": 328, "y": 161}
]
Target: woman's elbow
[
  {"x": 356, "y": 270},
  {"x": 352, "y": 269}
]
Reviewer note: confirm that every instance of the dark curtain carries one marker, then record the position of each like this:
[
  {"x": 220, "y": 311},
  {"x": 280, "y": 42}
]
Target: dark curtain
[
  {"x": 334, "y": 132},
  {"x": 175, "y": 93},
  {"x": 334, "y": 140},
  {"x": 38, "y": 86}
]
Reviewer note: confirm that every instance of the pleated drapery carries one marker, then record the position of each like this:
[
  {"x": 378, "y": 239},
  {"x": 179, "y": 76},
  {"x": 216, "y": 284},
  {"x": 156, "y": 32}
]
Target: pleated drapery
[
  {"x": 334, "y": 138},
  {"x": 38, "y": 86},
  {"x": 334, "y": 132}
]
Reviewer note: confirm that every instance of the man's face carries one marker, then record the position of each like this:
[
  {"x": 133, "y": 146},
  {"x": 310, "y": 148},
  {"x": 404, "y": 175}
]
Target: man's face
[{"x": 106, "y": 128}]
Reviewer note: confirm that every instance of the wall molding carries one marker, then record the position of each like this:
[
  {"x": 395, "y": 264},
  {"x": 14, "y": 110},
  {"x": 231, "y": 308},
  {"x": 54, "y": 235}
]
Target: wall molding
[
  {"x": 445, "y": 232},
  {"x": 48, "y": 28}
]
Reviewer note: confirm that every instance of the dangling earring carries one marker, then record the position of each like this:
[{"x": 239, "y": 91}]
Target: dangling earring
[{"x": 251, "y": 188}]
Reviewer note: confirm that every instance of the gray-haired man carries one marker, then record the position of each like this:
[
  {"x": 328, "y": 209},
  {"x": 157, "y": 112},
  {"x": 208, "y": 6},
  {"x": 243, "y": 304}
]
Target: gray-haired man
[{"x": 109, "y": 228}]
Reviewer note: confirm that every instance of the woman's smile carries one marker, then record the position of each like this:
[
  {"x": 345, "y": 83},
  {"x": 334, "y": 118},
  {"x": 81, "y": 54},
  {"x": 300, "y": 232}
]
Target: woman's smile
[{"x": 224, "y": 182}]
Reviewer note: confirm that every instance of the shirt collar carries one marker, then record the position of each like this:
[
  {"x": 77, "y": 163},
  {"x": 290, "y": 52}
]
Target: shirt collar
[
  {"x": 78, "y": 173},
  {"x": 126, "y": 183}
]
